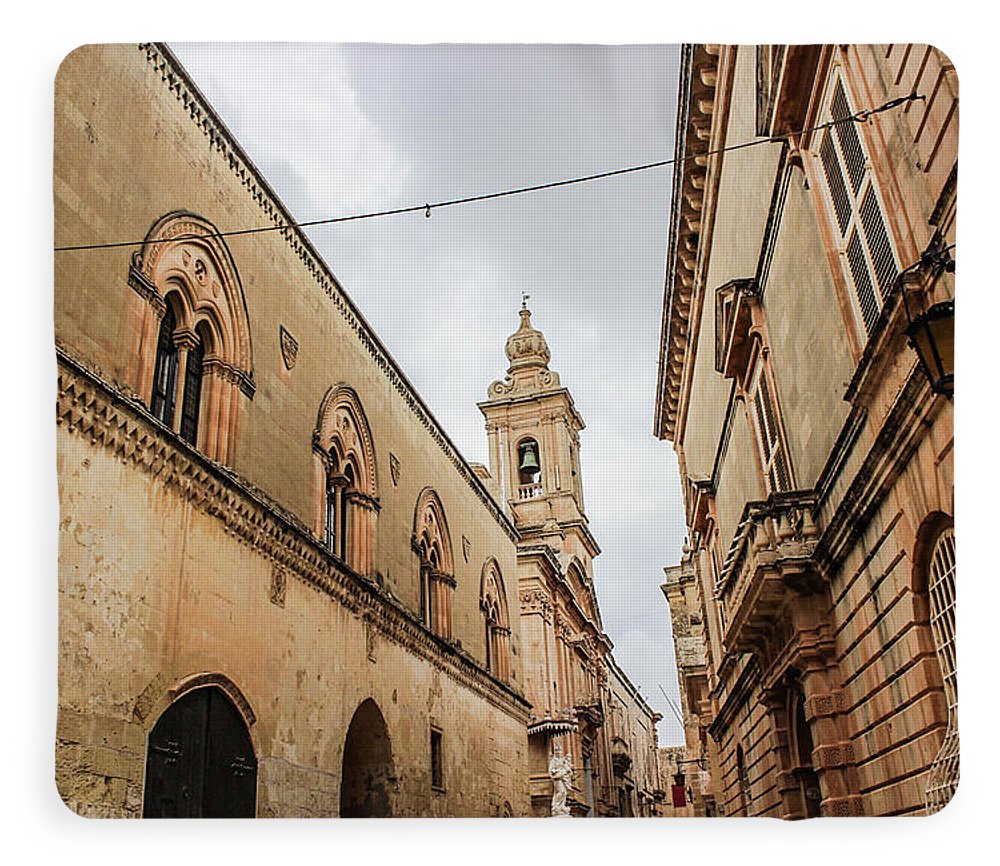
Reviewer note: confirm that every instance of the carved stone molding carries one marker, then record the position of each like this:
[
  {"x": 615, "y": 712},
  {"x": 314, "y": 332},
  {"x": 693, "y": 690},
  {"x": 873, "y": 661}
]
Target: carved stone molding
[
  {"x": 535, "y": 601},
  {"x": 278, "y": 584}
]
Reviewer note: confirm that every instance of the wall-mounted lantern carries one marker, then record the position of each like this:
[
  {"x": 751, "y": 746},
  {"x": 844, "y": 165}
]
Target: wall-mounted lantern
[{"x": 932, "y": 333}]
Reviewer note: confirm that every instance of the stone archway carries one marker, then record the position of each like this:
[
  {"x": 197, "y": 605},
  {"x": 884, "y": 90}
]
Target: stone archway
[
  {"x": 367, "y": 774},
  {"x": 200, "y": 761}
]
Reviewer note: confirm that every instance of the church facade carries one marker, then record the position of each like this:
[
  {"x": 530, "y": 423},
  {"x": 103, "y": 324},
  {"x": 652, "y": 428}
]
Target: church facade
[{"x": 805, "y": 381}]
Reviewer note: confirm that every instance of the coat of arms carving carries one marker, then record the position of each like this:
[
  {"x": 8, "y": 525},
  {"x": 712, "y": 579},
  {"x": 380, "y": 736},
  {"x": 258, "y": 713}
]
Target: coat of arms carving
[{"x": 289, "y": 348}]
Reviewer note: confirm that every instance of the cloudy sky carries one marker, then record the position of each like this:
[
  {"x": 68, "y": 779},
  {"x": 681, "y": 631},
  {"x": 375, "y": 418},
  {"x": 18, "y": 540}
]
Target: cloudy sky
[{"x": 355, "y": 128}]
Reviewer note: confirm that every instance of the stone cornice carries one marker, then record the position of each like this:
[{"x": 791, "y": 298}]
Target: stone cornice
[
  {"x": 89, "y": 407},
  {"x": 536, "y": 398},
  {"x": 695, "y": 118},
  {"x": 176, "y": 79}
]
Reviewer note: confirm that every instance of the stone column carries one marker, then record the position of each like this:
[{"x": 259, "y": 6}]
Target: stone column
[{"x": 833, "y": 751}]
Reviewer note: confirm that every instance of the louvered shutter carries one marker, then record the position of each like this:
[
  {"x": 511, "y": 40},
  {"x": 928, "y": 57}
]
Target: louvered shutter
[{"x": 870, "y": 263}]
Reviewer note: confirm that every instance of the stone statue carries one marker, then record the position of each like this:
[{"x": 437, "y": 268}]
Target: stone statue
[{"x": 561, "y": 773}]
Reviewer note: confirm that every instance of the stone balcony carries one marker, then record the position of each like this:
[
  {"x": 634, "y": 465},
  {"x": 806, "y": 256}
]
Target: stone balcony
[
  {"x": 529, "y": 491},
  {"x": 771, "y": 559}
]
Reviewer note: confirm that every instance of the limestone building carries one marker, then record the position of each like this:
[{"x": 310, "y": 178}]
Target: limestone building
[
  {"x": 282, "y": 590},
  {"x": 814, "y": 606},
  {"x": 688, "y": 625},
  {"x": 581, "y": 700}
]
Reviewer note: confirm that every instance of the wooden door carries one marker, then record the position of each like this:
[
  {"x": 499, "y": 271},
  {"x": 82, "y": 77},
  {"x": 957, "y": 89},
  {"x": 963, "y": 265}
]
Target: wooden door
[{"x": 200, "y": 761}]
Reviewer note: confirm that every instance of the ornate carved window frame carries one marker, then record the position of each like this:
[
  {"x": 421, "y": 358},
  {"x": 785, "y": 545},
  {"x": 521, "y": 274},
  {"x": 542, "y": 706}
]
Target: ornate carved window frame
[
  {"x": 496, "y": 620},
  {"x": 347, "y": 478},
  {"x": 434, "y": 562},
  {"x": 185, "y": 263}
]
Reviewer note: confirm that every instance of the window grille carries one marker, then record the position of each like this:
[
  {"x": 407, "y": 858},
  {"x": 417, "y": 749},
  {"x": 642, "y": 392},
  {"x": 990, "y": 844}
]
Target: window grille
[
  {"x": 870, "y": 263},
  {"x": 943, "y": 775}
]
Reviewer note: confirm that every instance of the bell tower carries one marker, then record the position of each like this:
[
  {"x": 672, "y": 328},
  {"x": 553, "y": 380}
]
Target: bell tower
[{"x": 534, "y": 446}]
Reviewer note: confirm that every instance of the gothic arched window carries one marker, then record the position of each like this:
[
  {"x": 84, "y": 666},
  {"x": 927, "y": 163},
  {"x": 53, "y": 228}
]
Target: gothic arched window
[
  {"x": 345, "y": 457},
  {"x": 192, "y": 354},
  {"x": 496, "y": 623},
  {"x": 435, "y": 563},
  {"x": 164, "y": 393}
]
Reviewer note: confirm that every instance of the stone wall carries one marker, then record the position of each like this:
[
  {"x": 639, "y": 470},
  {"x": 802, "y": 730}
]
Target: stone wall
[
  {"x": 823, "y": 678},
  {"x": 175, "y": 567}
]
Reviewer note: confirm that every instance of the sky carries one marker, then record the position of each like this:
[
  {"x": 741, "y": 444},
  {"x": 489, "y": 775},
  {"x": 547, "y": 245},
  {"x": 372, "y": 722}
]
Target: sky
[{"x": 343, "y": 129}]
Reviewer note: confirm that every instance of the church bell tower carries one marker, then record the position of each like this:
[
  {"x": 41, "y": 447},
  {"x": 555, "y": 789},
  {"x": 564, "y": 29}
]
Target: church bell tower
[{"x": 534, "y": 446}]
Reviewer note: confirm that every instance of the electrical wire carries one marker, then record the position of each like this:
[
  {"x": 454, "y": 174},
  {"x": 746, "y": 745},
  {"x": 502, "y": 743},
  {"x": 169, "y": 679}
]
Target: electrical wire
[{"x": 427, "y": 208}]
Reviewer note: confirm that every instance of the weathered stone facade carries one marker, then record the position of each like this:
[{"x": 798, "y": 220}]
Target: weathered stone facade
[
  {"x": 260, "y": 519},
  {"x": 816, "y": 459}
]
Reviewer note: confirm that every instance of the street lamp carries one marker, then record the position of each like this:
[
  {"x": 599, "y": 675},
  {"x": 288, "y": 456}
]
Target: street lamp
[{"x": 932, "y": 333}]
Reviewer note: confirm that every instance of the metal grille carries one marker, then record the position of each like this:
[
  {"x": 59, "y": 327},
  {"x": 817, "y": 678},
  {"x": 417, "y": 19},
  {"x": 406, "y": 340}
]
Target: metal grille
[
  {"x": 878, "y": 242},
  {"x": 862, "y": 282},
  {"x": 835, "y": 182},
  {"x": 944, "y": 772},
  {"x": 850, "y": 143}
]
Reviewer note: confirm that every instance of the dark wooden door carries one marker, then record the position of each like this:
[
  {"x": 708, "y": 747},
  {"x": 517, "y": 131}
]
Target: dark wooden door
[{"x": 200, "y": 761}]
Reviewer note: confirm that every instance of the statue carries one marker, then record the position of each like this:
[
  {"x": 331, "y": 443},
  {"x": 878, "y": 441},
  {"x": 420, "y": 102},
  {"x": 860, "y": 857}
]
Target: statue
[{"x": 561, "y": 773}]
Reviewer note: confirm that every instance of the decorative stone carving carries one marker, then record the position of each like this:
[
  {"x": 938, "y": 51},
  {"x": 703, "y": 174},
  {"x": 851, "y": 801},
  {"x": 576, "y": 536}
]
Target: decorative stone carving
[
  {"x": 466, "y": 548},
  {"x": 536, "y": 601},
  {"x": 278, "y": 582},
  {"x": 289, "y": 348},
  {"x": 394, "y": 469}
]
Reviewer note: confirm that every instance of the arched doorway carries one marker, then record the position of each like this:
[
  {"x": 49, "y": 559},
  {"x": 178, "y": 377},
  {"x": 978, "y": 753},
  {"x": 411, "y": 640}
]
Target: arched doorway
[
  {"x": 367, "y": 771},
  {"x": 200, "y": 762}
]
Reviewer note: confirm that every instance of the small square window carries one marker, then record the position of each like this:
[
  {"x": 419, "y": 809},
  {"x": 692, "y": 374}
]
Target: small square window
[{"x": 437, "y": 768}]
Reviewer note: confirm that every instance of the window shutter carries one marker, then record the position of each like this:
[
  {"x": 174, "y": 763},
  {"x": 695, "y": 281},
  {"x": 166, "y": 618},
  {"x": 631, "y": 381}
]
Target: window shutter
[{"x": 870, "y": 263}]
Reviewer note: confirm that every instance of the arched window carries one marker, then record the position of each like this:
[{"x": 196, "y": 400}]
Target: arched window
[
  {"x": 164, "y": 394},
  {"x": 496, "y": 623},
  {"x": 944, "y": 772},
  {"x": 345, "y": 461},
  {"x": 192, "y": 351},
  {"x": 435, "y": 563}
]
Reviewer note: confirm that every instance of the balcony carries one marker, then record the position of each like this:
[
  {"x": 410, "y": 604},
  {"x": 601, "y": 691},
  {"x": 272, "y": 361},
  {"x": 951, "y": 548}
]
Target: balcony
[
  {"x": 769, "y": 561},
  {"x": 529, "y": 491}
]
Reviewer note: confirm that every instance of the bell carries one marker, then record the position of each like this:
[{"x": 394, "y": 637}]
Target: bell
[{"x": 529, "y": 462}]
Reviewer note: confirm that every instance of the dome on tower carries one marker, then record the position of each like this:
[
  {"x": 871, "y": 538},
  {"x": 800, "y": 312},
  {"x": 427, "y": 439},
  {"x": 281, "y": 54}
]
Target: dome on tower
[
  {"x": 526, "y": 347},
  {"x": 529, "y": 357}
]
